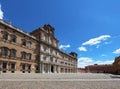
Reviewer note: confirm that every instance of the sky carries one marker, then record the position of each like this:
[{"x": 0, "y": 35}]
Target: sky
[{"x": 91, "y": 28}]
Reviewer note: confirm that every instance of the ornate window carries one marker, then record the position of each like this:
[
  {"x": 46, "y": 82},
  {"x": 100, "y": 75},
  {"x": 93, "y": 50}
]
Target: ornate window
[
  {"x": 4, "y": 65},
  {"x": 28, "y": 56},
  {"x": 23, "y": 55},
  {"x": 37, "y": 58},
  {"x": 5, "y": 35},
  {"x": 13, "y": 38},
  {"x": 51, "y": 59},
  {"x": 12, "y": 65},
  {"x": 44, "y": 48},
  {"x": 51, "y": 50},
  {"x": 44, "y": 58},
  {"x": 23, "y": 42},
  {"x": 4, "y": 51},
  {"x": 23, "y": 66},
  {"x": 12, "y": 53},
  {"x": 29, "y": 67},
  {"x": 29, "y": 44}
]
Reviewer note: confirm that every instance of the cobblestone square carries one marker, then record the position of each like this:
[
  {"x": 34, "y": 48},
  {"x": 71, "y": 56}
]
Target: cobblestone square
[{"x": 59, "y": 81}]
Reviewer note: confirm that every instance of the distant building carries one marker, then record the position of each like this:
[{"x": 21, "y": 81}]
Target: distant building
[
  {"x": 36, "y": 52},
  {"x": 107, "y": 68},
  {"x": 81, "y": 70},
  {"x": 116, "y": 65}
]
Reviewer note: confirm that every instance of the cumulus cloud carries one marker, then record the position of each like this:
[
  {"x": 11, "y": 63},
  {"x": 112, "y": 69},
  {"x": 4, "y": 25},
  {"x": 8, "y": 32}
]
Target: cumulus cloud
[
  {"x": 1, "y": 13},
  {"x": 97, "y": 40},
  {"x": 82, "y": 48},
  {"x": 64, "y": 46},
  {"x": 85, "y": 61},
  {"x": 117, "y": 51}
]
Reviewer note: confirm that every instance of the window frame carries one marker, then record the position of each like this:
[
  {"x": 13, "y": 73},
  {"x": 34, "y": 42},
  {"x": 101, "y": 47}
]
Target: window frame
[
  {"x": 13, "y": 53},
  {"x": 13, "y": 38},
  {"x": 23, "y": 55},
  {"x": 4, "y": 51},
  {"x": 24, "y": 42},
  {"x": 5, "y": 35}
]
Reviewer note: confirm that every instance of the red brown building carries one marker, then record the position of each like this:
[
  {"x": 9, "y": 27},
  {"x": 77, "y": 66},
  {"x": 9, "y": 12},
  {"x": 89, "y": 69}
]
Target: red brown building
[
  {"x": 81, "y": 70},
  {"x": 107, "y": 68}
]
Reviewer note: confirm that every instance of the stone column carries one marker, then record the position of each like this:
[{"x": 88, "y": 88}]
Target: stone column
[
  {"x": 59, "y": 69},
  {"x": 50, "y": 68},
  {"x": 55, "y": 69},
  {"x": 43, "y": 68},
  {"x": 8, "y": 67},
  {"x": 0, "y": 67}
]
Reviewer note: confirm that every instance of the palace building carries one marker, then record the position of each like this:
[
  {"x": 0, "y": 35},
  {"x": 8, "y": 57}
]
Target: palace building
[{"x": 37, "y": 52}]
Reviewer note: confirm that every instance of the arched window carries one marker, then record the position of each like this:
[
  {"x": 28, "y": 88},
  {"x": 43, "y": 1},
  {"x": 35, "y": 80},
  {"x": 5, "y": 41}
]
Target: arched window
[
  {"x": 5, "y": 35},
  {"x": 13, "y": 38},
  {"x": 12, "y": 53},
  {"x": 4, "y": 51}
]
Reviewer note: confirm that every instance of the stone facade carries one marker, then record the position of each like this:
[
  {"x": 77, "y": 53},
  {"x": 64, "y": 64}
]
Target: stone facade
[{"x": 36, "y": 52}]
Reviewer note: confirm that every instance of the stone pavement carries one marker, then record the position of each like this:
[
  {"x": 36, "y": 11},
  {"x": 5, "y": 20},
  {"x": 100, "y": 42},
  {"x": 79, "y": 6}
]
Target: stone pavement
[{"x": 59, "y": 81}]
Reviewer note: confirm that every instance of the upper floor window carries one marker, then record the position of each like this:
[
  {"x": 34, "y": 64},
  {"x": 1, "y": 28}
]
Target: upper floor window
[
  {"x": 23, "y": 55},
  {"x": 44, "y": 48},
  {"x": 37, "y": 57},
  {"x": 5, "y": 36},
  {"x": 44, "y": 58},
  {"x": 51, "y": 40},
  {"x": 51, "y": 59},
  {"x": 29, "y": 44},
  {"x": 28, "y": 56},
  {"x": 13, "y": 38},
  {"x": 51, "y": 50},
  {"x": 23, "y": 42},
  {"x": 13, "y": 53},
  {"x": 4, "y": 51}
]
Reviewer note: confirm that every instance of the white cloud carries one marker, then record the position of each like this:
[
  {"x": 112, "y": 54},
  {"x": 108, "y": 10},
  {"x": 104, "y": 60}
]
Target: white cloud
[
  {"x": 85, "y": 61},
  {"x": 117, "y": 51},
  {"x": 97, "y": 40},
  {"x": 64, "y": 46},
  {"x": 82, "y": 48},
  {"x": 1, "y": 13},
  {"x": 97, "y": 46},
  {"x": 103, "y": 55},
  {"x": 108, "y": 42}
]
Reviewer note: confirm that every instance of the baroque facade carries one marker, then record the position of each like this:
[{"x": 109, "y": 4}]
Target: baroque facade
[{"x": 37, "y": 52}]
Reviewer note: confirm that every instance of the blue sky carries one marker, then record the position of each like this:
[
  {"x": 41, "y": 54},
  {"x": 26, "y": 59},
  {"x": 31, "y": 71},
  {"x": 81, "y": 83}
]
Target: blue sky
[{"x": 89, "y": 27}]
